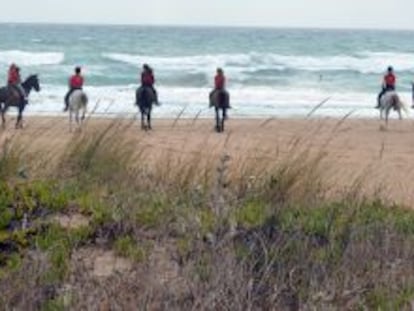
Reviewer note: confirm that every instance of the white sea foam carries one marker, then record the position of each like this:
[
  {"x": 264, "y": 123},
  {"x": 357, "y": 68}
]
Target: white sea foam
[
  {"x": 24, "y": 58},
  {"x": 363, "y": 62},
  {"x": 246, "y": 102}
]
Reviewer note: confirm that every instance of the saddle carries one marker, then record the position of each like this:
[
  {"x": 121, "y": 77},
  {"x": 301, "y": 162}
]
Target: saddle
[{"x": 13, "y": 95}]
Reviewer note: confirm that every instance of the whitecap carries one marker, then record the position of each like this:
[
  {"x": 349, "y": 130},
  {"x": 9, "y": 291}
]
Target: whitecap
[
  {"x": 363, "y": 62},
  {"x": 24, "y": 58}
]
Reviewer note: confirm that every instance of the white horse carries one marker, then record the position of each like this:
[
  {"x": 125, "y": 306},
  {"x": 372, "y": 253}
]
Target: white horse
[
  {"x": 78, "y": 101},
  {"x": 388, "y": 101}
]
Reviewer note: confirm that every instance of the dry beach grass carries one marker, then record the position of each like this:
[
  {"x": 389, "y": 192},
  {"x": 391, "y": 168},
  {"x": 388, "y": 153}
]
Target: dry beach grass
[
  {"x": 354, "y": 150},
  {"x": 272, "y": 214}
]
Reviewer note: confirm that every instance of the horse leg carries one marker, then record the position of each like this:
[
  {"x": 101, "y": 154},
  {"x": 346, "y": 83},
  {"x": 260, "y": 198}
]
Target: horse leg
[
  {"x": 399, "y": 113},
  {"x": 77, "y": 120},
  {"x": 83, "y": 114},
  {"x": 70, "y": 120},
  {"x": 387, "y": 113},
  {"x": 3, "y": 118},
  {"x": 19, "y": 121},
  {"x": 142, "y": 120},
  {"x": 149, "y": 119},
  {"x": 217, "y": 119},
  {"x": 82, "y": 119},
  {"x": 224, "y": 117}
]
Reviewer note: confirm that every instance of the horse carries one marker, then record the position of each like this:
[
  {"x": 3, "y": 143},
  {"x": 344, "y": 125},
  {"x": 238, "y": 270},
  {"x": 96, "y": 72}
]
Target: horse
[
  {"x": 78, "y": 101},
  {"x": 220, "y": 100},
  {"x": 145, "y": 97},
  {"x": 7, "y": 99},
  {"x": 388, "y": 101}
]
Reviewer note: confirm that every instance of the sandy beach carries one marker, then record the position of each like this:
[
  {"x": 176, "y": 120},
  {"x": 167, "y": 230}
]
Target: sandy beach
[{"x": 355, "y": 152}]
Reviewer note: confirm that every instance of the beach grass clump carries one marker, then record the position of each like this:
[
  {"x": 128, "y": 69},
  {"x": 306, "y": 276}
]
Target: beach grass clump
[
  {"x": 10, "y": 160},
  {"x": 126, "y": 246}
]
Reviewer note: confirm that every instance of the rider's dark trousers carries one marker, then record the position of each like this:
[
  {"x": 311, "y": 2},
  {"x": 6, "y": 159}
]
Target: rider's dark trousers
[{"x": 20, "y": 90}]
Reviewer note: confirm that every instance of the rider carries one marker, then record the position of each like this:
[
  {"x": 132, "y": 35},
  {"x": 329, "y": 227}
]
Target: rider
[
  {"x": 388, "y": 84},
  {"x": 75, "y": 83},
  {"x": 148, "y": 80},
  {"x": 14, "y": 81},
  {"x": 219, "y": 83}
]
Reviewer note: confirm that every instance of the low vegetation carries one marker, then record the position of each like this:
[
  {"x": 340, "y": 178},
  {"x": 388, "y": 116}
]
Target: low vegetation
[{"x": 110, "y": 228}]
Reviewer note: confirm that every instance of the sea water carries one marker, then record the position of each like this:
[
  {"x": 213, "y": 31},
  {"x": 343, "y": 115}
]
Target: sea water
[{"x": 270, "y": 72}]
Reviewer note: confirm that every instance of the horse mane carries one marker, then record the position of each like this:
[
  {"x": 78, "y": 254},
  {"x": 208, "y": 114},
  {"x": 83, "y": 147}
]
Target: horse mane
[{"x": 29, "y": 78}]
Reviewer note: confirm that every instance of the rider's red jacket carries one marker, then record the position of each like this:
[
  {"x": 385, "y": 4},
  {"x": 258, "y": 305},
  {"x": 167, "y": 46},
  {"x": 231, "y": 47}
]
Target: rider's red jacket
[
  {"x": 13, "y": 75},
  {"x": 219, "y": 81},
  {"x": 76, "y": 82},
  {"x": 390, "y": 79},
  {"x": 147, "y": 78}
]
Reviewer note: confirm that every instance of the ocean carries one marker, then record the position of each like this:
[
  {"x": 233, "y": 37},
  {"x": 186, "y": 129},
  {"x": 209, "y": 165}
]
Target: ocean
[{"x": 270, "y": 72}]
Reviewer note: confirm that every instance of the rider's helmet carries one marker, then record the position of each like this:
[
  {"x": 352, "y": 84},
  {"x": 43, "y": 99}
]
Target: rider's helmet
[
  {"x": 219, "y": 71},
  {"x": 390, "y": 69},
  {"x": 78, "y": 70}
]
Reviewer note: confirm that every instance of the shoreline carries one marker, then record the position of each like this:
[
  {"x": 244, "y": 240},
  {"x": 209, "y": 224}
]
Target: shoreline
[{"x": 124, "y": 115}]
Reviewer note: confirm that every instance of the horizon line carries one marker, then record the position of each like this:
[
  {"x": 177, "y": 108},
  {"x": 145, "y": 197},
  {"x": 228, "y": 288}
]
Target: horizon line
[{"x": 178, "y": 25}]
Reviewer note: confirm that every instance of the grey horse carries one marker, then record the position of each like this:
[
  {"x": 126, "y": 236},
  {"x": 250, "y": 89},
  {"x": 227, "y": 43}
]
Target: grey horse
[
  {"x": 78, "y": 102},
  {"x": 388, "y": 101}
]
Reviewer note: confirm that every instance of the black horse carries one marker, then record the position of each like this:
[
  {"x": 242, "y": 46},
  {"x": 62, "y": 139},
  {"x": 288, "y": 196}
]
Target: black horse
[
  {"x": 220, "y": 100},
  {"x": 145, "y": 97},
  {"x": 9, "y": 99}
]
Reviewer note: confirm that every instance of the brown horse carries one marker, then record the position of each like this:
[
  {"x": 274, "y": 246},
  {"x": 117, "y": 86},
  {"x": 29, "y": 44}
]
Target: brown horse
[
  {"x": 8, "y": 99},
  {"x": 220, "y": 100},
  {"x": 145, "y": 97}
]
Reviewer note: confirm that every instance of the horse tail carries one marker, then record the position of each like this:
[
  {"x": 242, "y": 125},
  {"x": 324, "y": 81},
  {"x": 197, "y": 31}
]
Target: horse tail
[
  {"x": 222, "y": 99},
  {"x": 404, "y": 107},
  {"x": 84, "y": 98},
  {"x": 137, "y": 96}
]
